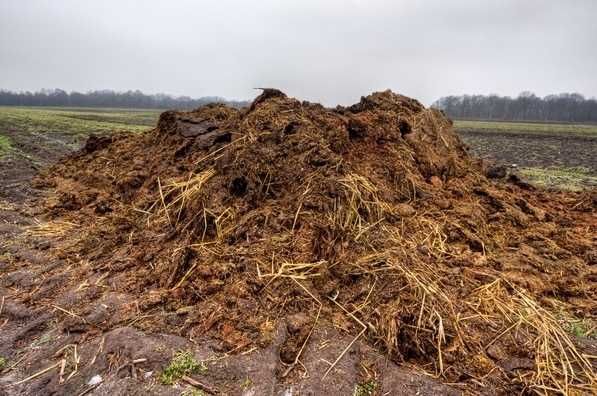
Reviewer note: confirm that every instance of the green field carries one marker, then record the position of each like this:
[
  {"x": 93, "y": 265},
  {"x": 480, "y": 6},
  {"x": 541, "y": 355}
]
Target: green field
[
  {"x": 525, "y": 128},
  {"x": 75, "y": 120},
  {"x": 554, "y": 155},
  {"x": 572, "y": 179},
  {"x": 66, "y": 125},
  {"x": 5, "y": 145}
]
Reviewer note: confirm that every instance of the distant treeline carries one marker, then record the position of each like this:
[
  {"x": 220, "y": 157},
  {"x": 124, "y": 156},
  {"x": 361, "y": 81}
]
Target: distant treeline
[
  {"x": 107, "y": 98},
  {"x": 565, "y": 107}
]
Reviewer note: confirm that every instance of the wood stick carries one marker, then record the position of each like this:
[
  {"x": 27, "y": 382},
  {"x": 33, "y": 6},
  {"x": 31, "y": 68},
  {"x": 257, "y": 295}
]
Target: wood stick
[
  {"x": 74, "y": 315},
  {"x": 86, "y": 391},
  {"x": 61, "y": 374},
  {"x": 199, "y": 385},
  {"x": 37, "y": 374},
  {"x": 352, "y": 342}
]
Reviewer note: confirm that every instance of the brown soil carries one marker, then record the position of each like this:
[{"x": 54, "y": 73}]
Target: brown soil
[
  {"x": 267, "y": 240},
  {"x": 33, "y": 152}
]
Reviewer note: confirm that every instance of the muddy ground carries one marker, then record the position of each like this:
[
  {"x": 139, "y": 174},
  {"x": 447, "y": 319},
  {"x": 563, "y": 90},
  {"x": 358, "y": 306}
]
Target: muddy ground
[
  {"x": 33, "y": 152},
  {"x": 40, "y": 342},
  {"x": 534, "y": 150},
  {"x": 129, "y": 361},
  {"x": 34, "y": 342}
]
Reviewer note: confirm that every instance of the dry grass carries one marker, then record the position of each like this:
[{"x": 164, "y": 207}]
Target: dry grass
[
  {"x": 49, "y": 229},
  {"x": 360, "y": 209},
  {"x": 300, "y": 352},
  {"x": 4, "y": 205},
  {"x": 223, "y": 222},
  {"x": 426, "y": 298},
  {"x": 393, "y": 269},
  {"x": 290, "y": 270},
  {"x": 176, "y": 196},
  {"x": 559, "y": 366}
]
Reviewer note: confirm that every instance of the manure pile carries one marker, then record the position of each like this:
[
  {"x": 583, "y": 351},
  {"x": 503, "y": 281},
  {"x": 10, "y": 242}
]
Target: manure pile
[{"x": 371, "y": 219}]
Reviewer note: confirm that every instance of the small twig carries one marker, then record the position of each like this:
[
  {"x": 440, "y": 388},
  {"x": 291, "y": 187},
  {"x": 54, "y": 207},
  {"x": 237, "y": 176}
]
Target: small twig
[
  {"x": 74, "y": 315},
  {"x": 352, "y": 342},
  {"x": 61, "y": 374},
  {"x": 298, "y": 355},
  {"x": 77, "y": 358},
  {"x": 71, "y": 375},
  {"x": 502, "y": 333},
  {"x": 16, "y": 363},
  {"x": 300, "y": 207},
  {"x": 37, "y": 374},
  {"x": 199, "y": 385},
  {"x": 249, "y": 351},
  {"x": 92, "y": 387},
  {"x": 164, "y": 201},
  {"x": 240, "y": 139},
  {"x": 186, "y": 275},
  {"x": 364, "y": 304},
  {"x": 296, "y": 215},
  {"x": 99, "y": 350}
]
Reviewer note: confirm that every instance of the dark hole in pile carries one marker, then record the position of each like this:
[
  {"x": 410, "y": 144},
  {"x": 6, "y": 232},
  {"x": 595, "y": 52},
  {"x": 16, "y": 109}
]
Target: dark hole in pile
[
  {"x": 291, "y": 128},
  {"x": 356, "y": 129},
  {"x": 238, "y": 186},
  {"x": 404, "y": 127},
  {"x": 225, "y": 137}
]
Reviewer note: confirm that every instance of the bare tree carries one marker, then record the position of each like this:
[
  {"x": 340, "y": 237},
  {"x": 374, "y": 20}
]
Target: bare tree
[{"x": 565, "y": 107}]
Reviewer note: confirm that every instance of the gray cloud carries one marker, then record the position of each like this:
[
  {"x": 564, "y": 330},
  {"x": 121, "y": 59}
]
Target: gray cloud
[{"x": 323, "y": 50}]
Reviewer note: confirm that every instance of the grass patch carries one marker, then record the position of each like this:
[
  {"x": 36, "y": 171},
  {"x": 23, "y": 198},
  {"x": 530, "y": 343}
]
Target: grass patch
[
  {"x": 3, "y": 363},
  {"x": 43, "y": 339},
  {"x": 5, "y": 145},
  {"x": 525, "y": 128},
  {"x": 583, "y": 328},
  {"x": 127, "y": 118},
  {"x": 75, "y": 121},
  {"x": 247, "y": 383},
  {"x": 572, "y": 179},
  {"x": 365, "y": 389},
  {"x": 64, "y": 129},
  {"x": 183, "y": 363}
]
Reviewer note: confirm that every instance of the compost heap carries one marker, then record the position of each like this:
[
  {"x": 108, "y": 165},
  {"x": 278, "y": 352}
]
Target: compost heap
[{"x": 370, "y": 218}]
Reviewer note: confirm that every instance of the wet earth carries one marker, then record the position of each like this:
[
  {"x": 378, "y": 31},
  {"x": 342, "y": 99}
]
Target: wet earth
[
  {"x": 533, "y": 150},
  {"x": 43, "y": 356},
  {"x": 47, "y": 349}
]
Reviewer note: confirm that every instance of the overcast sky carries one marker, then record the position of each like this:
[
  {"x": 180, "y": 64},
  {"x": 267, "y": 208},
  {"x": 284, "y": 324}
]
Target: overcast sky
[{"x": 330, "y": 51}]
